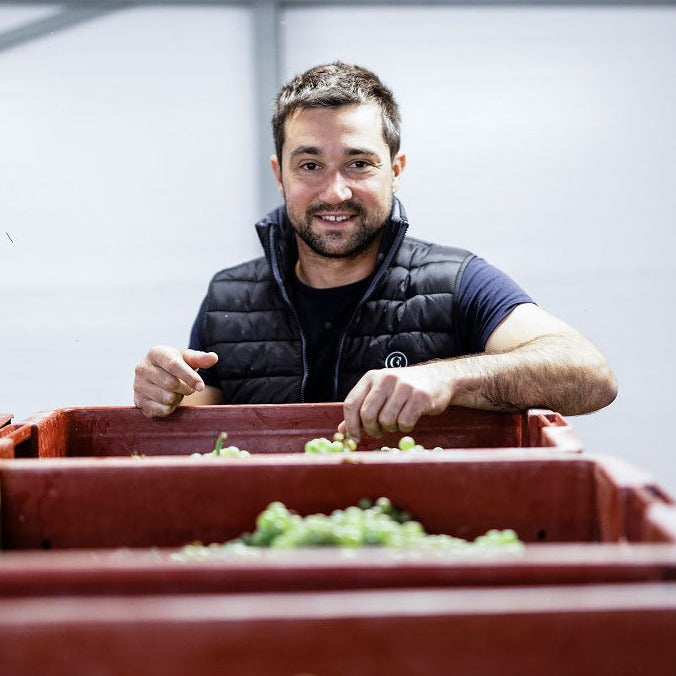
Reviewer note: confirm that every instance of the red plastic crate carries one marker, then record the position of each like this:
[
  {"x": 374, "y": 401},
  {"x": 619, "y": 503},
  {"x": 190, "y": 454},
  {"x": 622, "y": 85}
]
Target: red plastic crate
[
  {"x": 167, "y": 502},
  {"x": 122, "y": 431},
  {"x": 602, "y": 630}
]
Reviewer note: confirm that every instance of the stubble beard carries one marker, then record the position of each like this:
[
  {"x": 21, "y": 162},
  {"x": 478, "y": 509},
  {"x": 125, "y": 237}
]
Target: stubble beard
[{"x": 337, "y": 244}]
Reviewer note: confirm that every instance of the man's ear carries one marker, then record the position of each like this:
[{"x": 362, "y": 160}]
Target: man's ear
[
  {"x": 398, "y": 165},
  {"x": 277, "y": 171}
]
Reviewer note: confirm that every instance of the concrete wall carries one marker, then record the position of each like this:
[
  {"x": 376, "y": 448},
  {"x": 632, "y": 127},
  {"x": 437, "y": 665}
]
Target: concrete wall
[{"x": 541, "y": 138}]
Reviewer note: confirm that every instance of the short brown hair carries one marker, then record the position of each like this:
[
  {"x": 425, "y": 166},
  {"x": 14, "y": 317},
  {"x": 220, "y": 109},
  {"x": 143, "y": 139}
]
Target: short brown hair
[{"x": 331, "y": 86}]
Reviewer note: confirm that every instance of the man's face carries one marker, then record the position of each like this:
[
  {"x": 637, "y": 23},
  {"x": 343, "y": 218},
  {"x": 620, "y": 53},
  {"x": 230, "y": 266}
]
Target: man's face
[{"x": 337, "y": 178}]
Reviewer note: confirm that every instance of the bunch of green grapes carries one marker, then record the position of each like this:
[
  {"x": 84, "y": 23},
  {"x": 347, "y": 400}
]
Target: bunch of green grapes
[
  {"x": 340, "y": 444},
  {"x": 369, "y": 524},
  {"x": 376, "y": 523},
  {"x": 223, "y": 452},
  {"x": 407, "y": 444}
]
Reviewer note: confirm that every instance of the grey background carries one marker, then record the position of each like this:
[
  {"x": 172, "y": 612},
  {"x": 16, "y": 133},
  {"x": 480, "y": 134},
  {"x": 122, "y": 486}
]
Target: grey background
[{"x": 131, "y": 165}]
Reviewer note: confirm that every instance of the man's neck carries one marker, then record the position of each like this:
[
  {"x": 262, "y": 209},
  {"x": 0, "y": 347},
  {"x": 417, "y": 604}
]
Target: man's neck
[{"x": 321, "y": 272}]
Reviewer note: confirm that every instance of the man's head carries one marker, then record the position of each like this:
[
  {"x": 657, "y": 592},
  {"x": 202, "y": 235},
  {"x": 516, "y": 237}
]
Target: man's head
[
  {"x": 338, "y": 160},
  {"x": 332, "y": 86}
]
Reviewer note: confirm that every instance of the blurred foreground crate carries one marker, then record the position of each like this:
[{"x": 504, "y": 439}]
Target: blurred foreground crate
[
  {"x": 123, "y": 431},
  {"x": 604, "y": 630}
]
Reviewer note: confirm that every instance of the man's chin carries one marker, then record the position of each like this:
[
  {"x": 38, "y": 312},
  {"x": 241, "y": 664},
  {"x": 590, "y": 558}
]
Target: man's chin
[
  {"x": 345, "y": 242},
  {"x": 335, "y": 251}
]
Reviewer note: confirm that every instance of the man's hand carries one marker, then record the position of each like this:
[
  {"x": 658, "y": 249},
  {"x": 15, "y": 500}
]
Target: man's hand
[
  {"x": 394, "y": 399},
  {"x": 165, "y": 376}
]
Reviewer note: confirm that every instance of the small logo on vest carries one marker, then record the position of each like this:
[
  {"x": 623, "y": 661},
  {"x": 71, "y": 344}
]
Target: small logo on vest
[{"x": 395, "y": 360}]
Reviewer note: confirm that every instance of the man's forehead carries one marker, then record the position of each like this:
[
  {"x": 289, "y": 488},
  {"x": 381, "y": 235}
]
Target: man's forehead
[{"x": 310, "y": 128}]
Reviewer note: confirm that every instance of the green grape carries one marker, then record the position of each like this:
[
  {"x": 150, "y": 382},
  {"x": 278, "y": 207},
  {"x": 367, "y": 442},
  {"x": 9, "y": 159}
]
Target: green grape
[
  {"x": 384, "y": 505},
  {"x": 349, "y": 536},
  {"x": 412, "y": 528},
  {"x": 339, "y": 444},
  {"x": 232, "y": 452},
  {"x": 220, "y": 451},
  {"x": 311, "y": 446},
  {"x": 406, "y": 443}
]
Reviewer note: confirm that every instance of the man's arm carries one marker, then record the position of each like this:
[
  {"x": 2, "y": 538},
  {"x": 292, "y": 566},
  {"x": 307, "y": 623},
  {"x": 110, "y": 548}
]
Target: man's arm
[
  {"x": 209, "y": 396},
  {"x": 532, "y": 359}
]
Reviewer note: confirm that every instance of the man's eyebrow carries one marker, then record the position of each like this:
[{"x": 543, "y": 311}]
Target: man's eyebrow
[
  {"x": 305, "y": 150},
  {"x": 361, "y": 151},
  {"x": 350, "y": 152}
]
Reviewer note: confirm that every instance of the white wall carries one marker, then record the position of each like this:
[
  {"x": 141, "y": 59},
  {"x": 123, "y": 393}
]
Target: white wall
[
  {"x": 541, "y": 138},
  {"x": 128, "y": 178}
]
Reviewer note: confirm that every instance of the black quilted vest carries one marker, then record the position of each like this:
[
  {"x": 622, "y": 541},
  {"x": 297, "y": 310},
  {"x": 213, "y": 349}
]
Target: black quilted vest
[{"x": 407, "y": 315}]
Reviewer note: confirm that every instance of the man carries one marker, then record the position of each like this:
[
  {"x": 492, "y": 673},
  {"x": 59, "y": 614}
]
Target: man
[{"x": 345, "y": 307}]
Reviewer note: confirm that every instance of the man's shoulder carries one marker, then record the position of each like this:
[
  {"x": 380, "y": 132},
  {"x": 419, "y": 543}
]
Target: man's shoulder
[
  {"x": 416, "y": 252},
  {"x": 244, "y": 285},
  {"x": 254, "y": 270}
]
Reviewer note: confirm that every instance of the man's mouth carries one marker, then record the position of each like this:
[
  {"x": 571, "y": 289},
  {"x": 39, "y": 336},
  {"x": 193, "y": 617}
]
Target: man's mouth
[{"x": 332, "y": 218}]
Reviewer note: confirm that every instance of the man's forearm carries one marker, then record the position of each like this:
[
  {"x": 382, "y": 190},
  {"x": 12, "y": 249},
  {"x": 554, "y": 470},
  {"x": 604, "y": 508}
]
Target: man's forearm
[{"x": 564, "y": 373}]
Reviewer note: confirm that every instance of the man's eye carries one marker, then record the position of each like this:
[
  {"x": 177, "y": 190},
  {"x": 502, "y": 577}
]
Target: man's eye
[
  {"x": 310, "y": 166},
  {"x": 360, "y": 164}
]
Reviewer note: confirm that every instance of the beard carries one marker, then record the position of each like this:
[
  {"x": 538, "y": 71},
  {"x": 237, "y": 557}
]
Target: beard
[{"x": 339, "y": 243}]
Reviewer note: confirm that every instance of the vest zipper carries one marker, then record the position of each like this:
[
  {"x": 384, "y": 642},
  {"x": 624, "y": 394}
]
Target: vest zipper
[
  {"x": 278, "y": 278},
  {"x": 387, "y": 259}
]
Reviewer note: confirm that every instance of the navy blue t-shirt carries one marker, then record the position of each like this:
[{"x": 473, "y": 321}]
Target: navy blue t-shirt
[{"x": 485, "y": 297}]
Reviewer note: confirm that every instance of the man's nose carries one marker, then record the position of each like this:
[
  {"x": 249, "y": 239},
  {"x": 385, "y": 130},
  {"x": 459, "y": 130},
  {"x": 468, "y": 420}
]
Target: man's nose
[{"x": 336, "y": 189}]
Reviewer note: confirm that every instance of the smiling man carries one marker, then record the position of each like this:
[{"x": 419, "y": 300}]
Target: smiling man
[
  {"x": 344, "y": 306},
  {"x": 337, "y": 181}
]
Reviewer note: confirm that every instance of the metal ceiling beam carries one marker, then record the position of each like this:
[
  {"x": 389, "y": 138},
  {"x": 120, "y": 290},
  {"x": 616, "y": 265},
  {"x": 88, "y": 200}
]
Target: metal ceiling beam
[
  {"x": 74, "y": 13},
  {"x": 70, "y": 15},
  {"x": 283, "y": 4}
]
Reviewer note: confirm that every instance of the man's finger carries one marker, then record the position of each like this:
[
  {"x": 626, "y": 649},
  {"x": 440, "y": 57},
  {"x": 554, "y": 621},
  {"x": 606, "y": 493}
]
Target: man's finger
[
  {"x": 172, "y": 361},
  {"x": 199, "y": 360},
  {"x": 352, "y": 407},
  {"x": 391, "y": 410},
  {"x": 148, "y": 390},
  {"x": 410, "y": 413},
  {"x": 370, "y": 409},
  {"x": 168, "y": 382},
  {"x": 148, "y": 373},
  {"x": 152, "y": 409}
]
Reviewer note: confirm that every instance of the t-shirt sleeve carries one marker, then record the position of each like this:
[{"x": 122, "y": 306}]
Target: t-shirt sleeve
[
  {"x": 485, "y": 297},
  {"x": 197, "y": 343}
]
